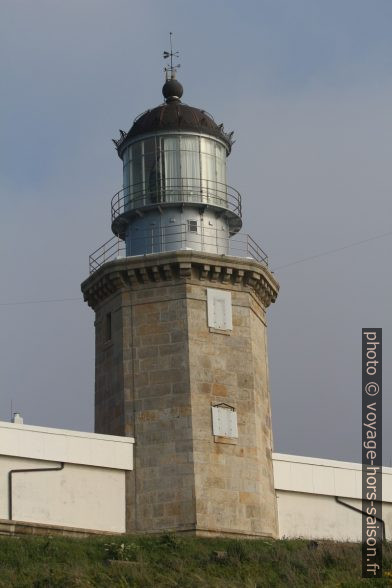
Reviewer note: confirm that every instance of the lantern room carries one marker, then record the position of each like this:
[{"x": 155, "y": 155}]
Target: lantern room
[{"x": 175, "y": 194}]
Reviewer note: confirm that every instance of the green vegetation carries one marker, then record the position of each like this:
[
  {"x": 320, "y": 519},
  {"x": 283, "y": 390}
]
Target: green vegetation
[{"x": 185, "y": 562}]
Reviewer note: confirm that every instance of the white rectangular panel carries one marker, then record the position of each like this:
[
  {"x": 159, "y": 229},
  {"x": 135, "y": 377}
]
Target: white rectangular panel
[
  {"x": 224, "y": 422},
  {"x": 219, "y": 309}
]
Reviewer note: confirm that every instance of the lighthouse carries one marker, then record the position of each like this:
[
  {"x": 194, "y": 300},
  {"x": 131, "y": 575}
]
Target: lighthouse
[{"x": 180, "y": 298}]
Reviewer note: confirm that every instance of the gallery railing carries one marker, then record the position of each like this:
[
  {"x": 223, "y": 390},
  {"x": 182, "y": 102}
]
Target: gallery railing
[
  {"x": 176, "y": 190},
  {"x": 178, "y": 237}
]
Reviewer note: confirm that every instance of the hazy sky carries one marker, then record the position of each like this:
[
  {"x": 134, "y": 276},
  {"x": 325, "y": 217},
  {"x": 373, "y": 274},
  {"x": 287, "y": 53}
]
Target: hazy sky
[{"x": 307, "y": 87}]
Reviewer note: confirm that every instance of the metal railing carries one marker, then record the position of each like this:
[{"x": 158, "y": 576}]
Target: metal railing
[
  {"x": 245, "y": 246},
  {"x": 175, "y": 238},
  {"x": 177, "y": 190},
  {"x": 114, "y": 248}
]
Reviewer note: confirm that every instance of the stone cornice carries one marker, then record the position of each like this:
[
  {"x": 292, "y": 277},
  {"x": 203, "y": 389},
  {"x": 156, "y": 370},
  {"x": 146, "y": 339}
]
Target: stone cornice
[{"x": 136, "y": 272}]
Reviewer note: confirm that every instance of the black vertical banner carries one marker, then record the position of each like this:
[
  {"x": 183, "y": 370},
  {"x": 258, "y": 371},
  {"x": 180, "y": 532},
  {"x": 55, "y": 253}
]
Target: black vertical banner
[{"x": 373, "y": 530}]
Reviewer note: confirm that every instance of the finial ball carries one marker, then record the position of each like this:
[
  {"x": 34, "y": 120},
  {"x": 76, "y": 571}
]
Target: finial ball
[{"x": 172, "y": 90}]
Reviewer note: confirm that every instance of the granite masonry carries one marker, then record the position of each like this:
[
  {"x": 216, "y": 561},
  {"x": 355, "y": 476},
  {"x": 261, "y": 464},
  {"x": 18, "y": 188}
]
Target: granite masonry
[{"x": 160, "y": 368}]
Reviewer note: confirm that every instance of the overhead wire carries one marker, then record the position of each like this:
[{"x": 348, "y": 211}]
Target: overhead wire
[
  {"x": 21, "y": 302},
  {"x": 279, "y": 267},
  {"x": 330, "y": 251}
]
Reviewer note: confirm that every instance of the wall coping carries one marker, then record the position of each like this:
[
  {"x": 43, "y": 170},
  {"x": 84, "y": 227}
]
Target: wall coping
[
  {"x": 63, "y": 445},
  {"x": 295, "y": 473}
]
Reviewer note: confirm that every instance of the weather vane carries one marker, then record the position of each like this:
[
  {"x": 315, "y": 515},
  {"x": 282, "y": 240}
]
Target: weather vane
[{"x": 166, "y": 54}]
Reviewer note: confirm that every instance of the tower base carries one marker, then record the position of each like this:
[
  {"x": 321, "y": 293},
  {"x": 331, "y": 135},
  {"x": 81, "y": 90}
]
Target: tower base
[{"x": 163, "y": 364}]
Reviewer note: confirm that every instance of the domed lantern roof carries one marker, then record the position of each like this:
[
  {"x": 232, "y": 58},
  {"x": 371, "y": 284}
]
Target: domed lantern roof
[{"x": 173, "y": 115}]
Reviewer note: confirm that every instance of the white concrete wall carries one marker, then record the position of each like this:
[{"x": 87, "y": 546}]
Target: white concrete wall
[
  {"x": 88, "y": 493},
  {"x": 306, "y": 489},
  {"x": 80, "y": 496}
]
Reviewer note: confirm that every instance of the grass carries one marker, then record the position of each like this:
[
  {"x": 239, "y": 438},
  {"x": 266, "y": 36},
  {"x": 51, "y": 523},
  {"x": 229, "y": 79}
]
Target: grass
[{"x": 176, "y": 561}]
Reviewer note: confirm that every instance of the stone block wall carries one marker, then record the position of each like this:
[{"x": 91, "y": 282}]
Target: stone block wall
[
  {"x": 158, "y": 377},
  {"x": 233, "y": 478}
]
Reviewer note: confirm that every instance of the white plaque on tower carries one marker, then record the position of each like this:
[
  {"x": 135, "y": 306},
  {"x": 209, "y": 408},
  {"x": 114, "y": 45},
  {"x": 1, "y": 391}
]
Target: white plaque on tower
[
  {"x": 219, "y": 309},
  {"x": 224, "y": 421}
]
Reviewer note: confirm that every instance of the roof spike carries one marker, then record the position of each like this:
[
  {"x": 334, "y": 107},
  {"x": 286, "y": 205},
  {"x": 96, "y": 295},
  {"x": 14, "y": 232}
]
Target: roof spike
[
  {"x": 171, "y": 70},
  {"x": 172, "y": 89}
]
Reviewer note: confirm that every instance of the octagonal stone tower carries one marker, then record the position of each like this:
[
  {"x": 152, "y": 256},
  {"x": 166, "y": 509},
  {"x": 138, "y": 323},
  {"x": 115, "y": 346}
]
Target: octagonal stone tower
[{"x": 181, "y": 338}]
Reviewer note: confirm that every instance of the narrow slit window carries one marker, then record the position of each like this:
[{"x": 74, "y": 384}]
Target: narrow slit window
[
  {"x": 192, "y": 226},
  {"x": 108, "y": 327}
]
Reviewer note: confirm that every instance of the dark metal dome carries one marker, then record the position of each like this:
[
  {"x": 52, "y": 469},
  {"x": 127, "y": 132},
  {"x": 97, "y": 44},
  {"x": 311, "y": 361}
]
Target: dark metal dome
[
  {"x": 173, "y": 116},
  {"x": 172, "y": 90}
]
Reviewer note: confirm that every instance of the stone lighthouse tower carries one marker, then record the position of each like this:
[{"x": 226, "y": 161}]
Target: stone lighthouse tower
[{"x": 180, "y": 305}]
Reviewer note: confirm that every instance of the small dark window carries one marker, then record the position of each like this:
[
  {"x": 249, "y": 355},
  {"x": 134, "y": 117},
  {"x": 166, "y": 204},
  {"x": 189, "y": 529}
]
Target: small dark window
[
  {"x": 108, "y": 326},
  {"x": 192, "y": 226}
]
